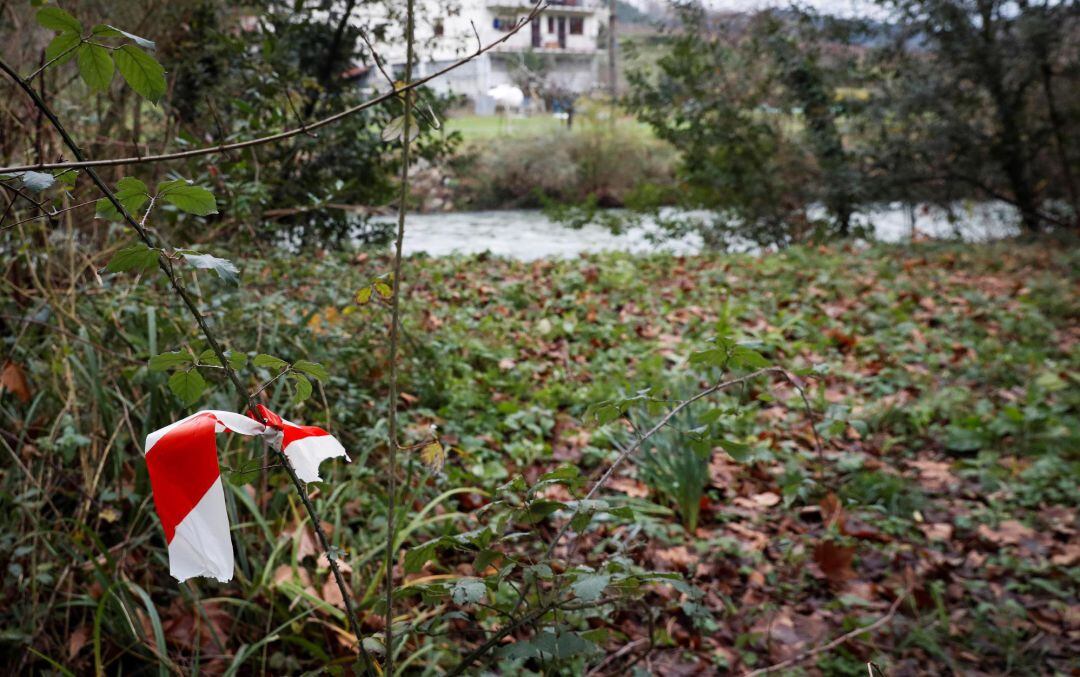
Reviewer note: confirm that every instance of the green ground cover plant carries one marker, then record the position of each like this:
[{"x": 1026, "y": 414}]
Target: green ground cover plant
[{"x": 942, "y": 381}]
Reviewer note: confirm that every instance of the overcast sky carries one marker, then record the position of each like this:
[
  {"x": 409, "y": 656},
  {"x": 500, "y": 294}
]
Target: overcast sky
[{"x": 840, "y": 7}]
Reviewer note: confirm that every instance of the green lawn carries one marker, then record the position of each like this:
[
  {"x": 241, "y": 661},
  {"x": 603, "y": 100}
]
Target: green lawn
[{"x": 485, "y": 127}]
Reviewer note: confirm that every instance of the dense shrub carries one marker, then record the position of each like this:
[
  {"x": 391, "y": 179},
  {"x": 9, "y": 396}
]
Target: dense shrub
[{"x": 594, "y": 160}]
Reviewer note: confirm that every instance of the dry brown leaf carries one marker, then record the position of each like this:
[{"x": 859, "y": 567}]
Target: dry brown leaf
[
  {"x": 13, "y": 380},
  {"x": 331, "y": 593},
  {"x": 935, "y": 475},
  {"x": 1069, "y": 557},
  {"x": 937, "y": 532},
  {"x": 678, "y": 557},
  {"x": 78, "y": 640},
  {"x": 323, "y": 563},
  {"x": 831, "y": 509},
  {"x": 307, "y": 547},
  {"x": 835, "y": 561},
  {"x": 1009, "y": 532},
  {"x": 433, "y": 455},
  {"x": 766, "y": 499},
  {"x": 629, "y": 486}
]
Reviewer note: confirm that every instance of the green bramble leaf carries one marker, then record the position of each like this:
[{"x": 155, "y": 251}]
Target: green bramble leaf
[
  {"x": 210, "y": 359},
  {"x": 742, "y": 356},
  {"x": 188, "y": 197},
  {"x": 187, "y": 385},
  {"x": 224, "y": 268},
  {"x": 737, "y": 450},
  {"x": 713, "y": 357},
  {"x": 416, "y": 558},
  {"x": 269, "y": 361},
  {"x": 142, "y": 72},
  {"x": 247, "y": 473},
  {"x": 468, "y": 591},
  {"x": 363, "y": 296},
  {"x": 302, "y": 387},
  {"x": 137, "y": 257},
  {"x": 67, "y": 177},
  {"x": 132, "y": 194},
  {"x": 312, "y": 369},
  {"x": 95, "y": 66},
  {"x": 589, "y": 587},
  {"x": 57, "y": 19},
  {"x": 63, "y": 44},
  {"x": 166, "y": 361}
]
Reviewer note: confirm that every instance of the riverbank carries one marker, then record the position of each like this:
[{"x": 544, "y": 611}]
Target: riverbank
[
  {"x": 529, "y": 234},
  {"x": 943, "y": 379}
]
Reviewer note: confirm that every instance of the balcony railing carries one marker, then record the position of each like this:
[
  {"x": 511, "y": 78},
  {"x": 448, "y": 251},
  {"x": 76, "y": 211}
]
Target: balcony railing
[{"x": 572, "y": 5}]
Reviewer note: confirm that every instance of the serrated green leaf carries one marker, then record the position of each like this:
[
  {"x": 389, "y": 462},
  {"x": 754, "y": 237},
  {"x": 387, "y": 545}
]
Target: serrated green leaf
[
  {"x": 95, "y": 66},
  {"x": 63, "y": 44},
  {"x": 269, "y": 361},
  {"x": 57, "y": 19},
  {"x": 468, "y": 591},
  {"x": 187, "y": 385},
  {"x": 537, "y": 511},
  {"x": 67, "y": 177},
  {"x": 589, "y": 587},
  {"x": 484, "y": 559},
  {"x": 738, "y": 451},
  {"x": 210, "y": 358},
  {"x": 713, "y": 357},
  {"x": 166, "y": 361},
  {"x": 142, "y": 72},
  {"x": 312, "y": 369},
  {"x": 137, "y": 257},
  {"x": 416, "y": 558},
  {"x": 363, "y": 296},
  {"x": 741, "y": 356},
  {"x": 564, "y": 472},
  {"x": 132, "y": 194},
  {"x": 247, "y": 473},
  {"x": 302, "y": 387},
  {"x": 188, "y": 197},
  {"x": 224, "y": 268}
]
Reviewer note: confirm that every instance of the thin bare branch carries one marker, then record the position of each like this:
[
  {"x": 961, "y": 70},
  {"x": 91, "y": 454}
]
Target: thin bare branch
[{"x": 395, "y": 315}]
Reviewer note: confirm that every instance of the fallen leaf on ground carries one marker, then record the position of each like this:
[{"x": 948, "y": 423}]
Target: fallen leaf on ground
[
  {"x": 937, "y": 532},
  {"x": 13, "y": 380},
  {"x": 1009, "y": 532},
  {"x": 835, "y": 561}
]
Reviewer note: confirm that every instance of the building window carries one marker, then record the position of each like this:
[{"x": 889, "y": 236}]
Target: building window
[
  {"x": 504, "y": 24},
  {"x": 551, "y": 24},
  {"x": 439, "y": 30},
  {"x": 577, "y": 25}
]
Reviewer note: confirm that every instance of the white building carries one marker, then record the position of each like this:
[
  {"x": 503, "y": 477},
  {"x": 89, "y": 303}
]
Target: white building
[{"x": 558, "y": 51}]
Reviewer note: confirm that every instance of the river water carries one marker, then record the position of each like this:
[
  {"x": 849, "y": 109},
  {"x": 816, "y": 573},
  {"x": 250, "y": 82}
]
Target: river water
[{"x": 530, "y": 234}]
